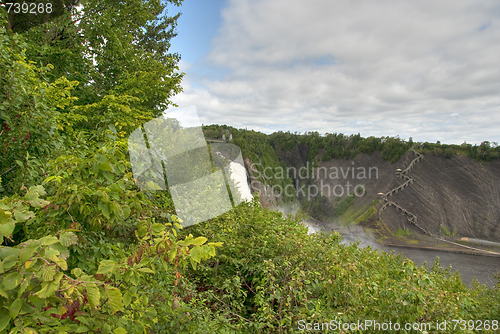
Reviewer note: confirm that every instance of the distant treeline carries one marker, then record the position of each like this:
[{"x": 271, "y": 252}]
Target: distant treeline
[
  {"x": 261, "y": 147},
  {"x": 340, "y": 146},
  {"x": 485, "y": 152}
]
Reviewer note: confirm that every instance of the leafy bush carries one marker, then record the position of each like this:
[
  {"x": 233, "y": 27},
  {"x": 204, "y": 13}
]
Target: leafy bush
[
  {"x": 270, "y": 274},
  {"x": 59, "y": 280}
]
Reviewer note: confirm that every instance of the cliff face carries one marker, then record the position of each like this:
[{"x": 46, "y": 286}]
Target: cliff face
[
  {"x": 267, "y": 197},
  {"x": 455, "y": 197}
]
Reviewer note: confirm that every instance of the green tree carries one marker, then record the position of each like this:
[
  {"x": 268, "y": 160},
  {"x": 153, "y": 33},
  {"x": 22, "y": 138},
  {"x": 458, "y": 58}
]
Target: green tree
[
  {"x": 101, "y": 65},
  {"x": 29, "y": 112},
  {"x": 111, "y": 47},
  {"x": 24, "y": 15}
]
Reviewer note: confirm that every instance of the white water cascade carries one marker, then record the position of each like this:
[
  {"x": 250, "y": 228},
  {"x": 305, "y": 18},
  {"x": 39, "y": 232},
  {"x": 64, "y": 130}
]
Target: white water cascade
[{"x": 239, "y": 178}]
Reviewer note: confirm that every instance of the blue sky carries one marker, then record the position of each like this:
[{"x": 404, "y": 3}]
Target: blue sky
[
  {"x": 421, "y": 69},
  {"x": 197, "y": 27}
]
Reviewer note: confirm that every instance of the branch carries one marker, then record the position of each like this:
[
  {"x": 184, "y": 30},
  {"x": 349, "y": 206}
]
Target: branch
[
  {"x": 239, "y": 316},
  {"x": 8, "y": 170}
]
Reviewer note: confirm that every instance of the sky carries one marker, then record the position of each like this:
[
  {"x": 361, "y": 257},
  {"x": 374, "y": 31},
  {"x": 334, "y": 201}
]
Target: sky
[{"x": 424, "y": 69}]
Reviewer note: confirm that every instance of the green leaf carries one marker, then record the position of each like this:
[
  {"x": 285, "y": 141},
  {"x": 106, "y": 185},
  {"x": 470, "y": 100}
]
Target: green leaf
[
  {"x": 132, "y": 276},
  {"x": 171, "y": 254},
  {"x": 150, "y": 312},
  {"x": 104, "y": 207},
  {"x": 23, "y": 215},
  {"x": 106, "y": 267},
  {"x": 39, "y": 203},
  {"x": 15, "y": 307},
  {"x": 120, "y": 330},
  {"x": 193, "y": 263},
  {"x": 106, "y": 166},
  {"x": 127, "y": 298},
  {"x": 36, "y": 191},
  {"x": 50, "y": 253},
  {"x": 27, "y": 252},
  {"x": 33, "y": 196},
  {"x": 82, "y": 329},
  {"x": 48, "y": 289},
  {"x": 101, "y": 158},
  {"x": 5, "y": 216},
  {"x": 157, "y": 228},
  {"x": 60, "y": 262},
  {"x": 112, "y": 128},
  {"x": 153, "y": 186},
  {"x": 48, "y": 240},
  {"x": 9, "y": 261},
  {"x": 53, "y": 178},
  {"x": 211, "y": 251},
  {"x": 4, "y": 318},
  {"x": 141, "y": 231},
  {"x": 48, "y": 273},
  {"x": 93, "y": 294},
  {"x": 126, "y": 211},
  {"x": 77, "y": 272},
  {"x": 114, "y": 298},
  {"x": 24, "y": 285},
  {"x": 146, "y": 270},
  {"x": 199, "y": 241},
  {"x": 10, "y": 281},
  {"x": 68, "y": 238},
  {"x": 7, "y": 229},
  {"x": 58, "y": 277}
]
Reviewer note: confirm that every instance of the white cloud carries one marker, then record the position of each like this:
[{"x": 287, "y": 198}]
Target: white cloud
[{"x": 424, "y": 69}]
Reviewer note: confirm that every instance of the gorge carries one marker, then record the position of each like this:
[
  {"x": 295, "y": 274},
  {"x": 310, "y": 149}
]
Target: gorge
[{"x": 423, "y": 205}]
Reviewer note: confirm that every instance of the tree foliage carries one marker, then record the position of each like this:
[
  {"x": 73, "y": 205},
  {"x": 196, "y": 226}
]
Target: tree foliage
[
  {"x": 44, "y": 288},
  {"x": 117, "y": 48},
  {"x": 29, "y": 112}
]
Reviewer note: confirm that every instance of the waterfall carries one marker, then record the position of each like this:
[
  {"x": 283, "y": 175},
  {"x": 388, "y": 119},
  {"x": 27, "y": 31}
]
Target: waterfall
[{"x": 239, "y": 178}]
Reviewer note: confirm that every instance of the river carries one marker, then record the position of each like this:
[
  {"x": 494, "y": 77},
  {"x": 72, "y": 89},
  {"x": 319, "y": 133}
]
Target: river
[{"x": 483, "y": 268}]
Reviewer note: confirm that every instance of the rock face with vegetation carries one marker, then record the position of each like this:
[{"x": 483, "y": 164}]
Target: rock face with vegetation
[
  {"x": 449, "y": 190},
  {"x": 84, "y": 250},
  {"x": 453, "y": 196}
]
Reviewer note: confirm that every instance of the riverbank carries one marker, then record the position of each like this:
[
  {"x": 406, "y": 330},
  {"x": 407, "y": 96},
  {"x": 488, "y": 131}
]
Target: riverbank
[
  {"x": 442, "y": 249},
  {"x": 422, "y": 250}
]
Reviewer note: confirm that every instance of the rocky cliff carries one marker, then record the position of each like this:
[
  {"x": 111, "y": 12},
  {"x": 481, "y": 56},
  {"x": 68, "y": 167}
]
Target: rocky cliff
[
  {"x": 454, "y": 196},
  {"x": 421, "y": 193}
]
